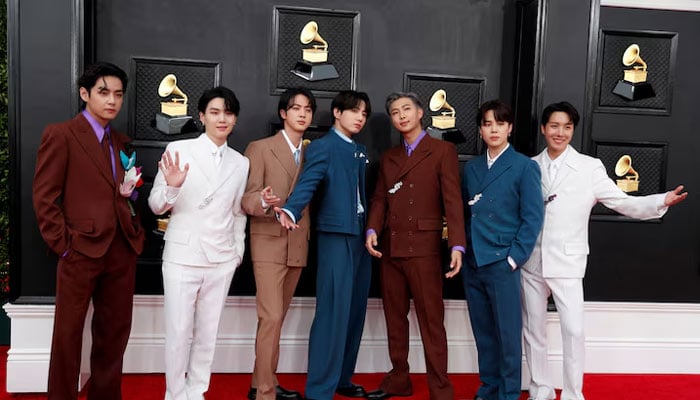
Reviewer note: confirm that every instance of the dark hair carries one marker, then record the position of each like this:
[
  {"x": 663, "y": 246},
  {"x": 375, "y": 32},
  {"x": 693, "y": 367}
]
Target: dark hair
[
  {"x": 400, "y": 95},
  {"x": 563, "y": 106},
  {"x": 349, "y": 99},
  {"x": 501, "y": 111},
  {"x": 230, "y": 100},
  {"x": 288, "y": 96},
  {"x": 95, "y": 71}
]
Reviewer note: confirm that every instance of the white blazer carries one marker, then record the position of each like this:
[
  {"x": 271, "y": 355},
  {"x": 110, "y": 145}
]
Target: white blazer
[
  {"x": 580, "y": 183},
  {"x": 207, "y": 224}
]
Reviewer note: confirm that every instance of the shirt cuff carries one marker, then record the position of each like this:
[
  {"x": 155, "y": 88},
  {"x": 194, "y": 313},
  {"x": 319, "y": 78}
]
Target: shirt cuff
[
  {"x": 661, "y": 206},
  {"x": 459, "y": 248},
  {"x": 370, "y": 231},
  {"x": 512, "y": 263},
  {"x": 171, "y": 194},
  {"x": 291, "y": 216}
]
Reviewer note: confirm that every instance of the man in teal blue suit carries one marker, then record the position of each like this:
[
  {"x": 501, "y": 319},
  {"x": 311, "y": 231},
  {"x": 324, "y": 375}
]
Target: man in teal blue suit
[
  {"x": 503, "y": 216},
  {"x": 334, "y": 173}
]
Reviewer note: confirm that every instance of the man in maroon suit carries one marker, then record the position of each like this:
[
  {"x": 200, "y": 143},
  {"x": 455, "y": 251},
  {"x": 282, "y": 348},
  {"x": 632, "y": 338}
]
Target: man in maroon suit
[
  {"x": 418, "y": 185},
  {"x": 85, "y": 218}
]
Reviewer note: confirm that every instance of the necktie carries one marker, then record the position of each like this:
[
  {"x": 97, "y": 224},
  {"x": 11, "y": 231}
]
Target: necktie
[
  {"x": 296, "y": 156},
  {"x": 552, "y": 171},
  {"x": 218, "y": 156},
  {"x": 409, "y": 150},
  {"x": 107, "y": 150}
]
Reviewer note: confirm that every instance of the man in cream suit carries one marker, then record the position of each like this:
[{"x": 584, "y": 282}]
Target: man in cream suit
[
  {"x": 204, "y": 241},
  {"x": 278, "y": 254},
  {"x": 572, "y": 183}
]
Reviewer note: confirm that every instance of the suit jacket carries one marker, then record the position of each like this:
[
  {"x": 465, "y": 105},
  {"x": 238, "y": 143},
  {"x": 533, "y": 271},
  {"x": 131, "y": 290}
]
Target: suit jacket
[
  {"x": 207, "y": 223},
  {"x": 333, "y": 171},
  {"x": 272, "y": 164},
  {"x": 408, "y": 219},
  {"x": 506, "y": 216},
  {"x": 580, "y": 183},
  {"x": 76, "y": 200}
]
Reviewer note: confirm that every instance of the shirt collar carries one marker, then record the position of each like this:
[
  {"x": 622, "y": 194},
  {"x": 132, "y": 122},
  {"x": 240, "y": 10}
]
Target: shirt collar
[
  {"x": 213, "y": 148},
  {"x": 345, "y": 138},
  {"x": 98, "y": 129},
  {"x": 557, "y": 161},
  {"x": 289, "y": 142},
  {"x": 413, "y": 145},
  {"x": 493, "y": 160}
]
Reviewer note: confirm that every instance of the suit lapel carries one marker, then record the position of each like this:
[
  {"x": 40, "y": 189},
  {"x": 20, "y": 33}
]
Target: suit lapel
[
  {"x": 280, "y": 149},
  {"x": 201, "y": 154},
  {"x": 569, "y": 165},
  {"x": 421, "y": 152},
  {"x": 86, "y": 139},
  {"x": 502, "y": 164},
  {"x": 546, "y": 183}
]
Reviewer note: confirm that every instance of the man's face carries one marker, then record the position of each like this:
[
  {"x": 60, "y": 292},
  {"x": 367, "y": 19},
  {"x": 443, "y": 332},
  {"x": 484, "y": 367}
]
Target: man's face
[
  {"x": 405, "y": 115},
  {"x": 351, "y": 122},
  {"x": 104, "y": 100},
  {"x": 557, "y": 133},
  {"x": 218, "y": 122},
  {"x": 298, "y": 115},
  {"x": 494, "y": 133}
]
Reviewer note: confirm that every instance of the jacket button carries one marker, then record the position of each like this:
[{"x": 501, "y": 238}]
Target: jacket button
[
  {"x": 393, "y": 233},
  {"x": 410, "y": 249},
  {"x": 410, "y": 185},
  {"x": 410, "y": 218}
]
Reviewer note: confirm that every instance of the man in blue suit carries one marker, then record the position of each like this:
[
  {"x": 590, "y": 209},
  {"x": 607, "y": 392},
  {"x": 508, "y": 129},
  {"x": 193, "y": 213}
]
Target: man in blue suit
[
  {"x": 503, "y": 216},
  {"x": 334, "y": 172}
]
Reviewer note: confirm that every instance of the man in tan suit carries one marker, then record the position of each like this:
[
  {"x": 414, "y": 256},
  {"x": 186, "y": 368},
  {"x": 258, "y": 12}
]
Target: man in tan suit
[{"x": 278, "y": 254}]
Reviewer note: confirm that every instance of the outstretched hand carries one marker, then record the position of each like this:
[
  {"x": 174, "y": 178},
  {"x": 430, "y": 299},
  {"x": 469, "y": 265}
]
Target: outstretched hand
[
  {"x": 285, "y": 220},
  {"x": 174, "y": 176},
  {"x": 675, "y": 196}
]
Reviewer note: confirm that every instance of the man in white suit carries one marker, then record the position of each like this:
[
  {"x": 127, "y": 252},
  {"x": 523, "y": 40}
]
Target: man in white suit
[
  {"x": 204, "y": 241},
  {"x": 572, "y": 183}
]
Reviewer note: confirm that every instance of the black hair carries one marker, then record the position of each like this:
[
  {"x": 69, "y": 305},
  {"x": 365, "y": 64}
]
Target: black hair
[
  {"x": 501, "y": 111},
  {"x": 288, "y": 96},
  {"x": 349, "y": 99},
  {"x": 230, "y": 100},
  {"x": 100, "y": 69},
  {"x": 562, "y": 106}
]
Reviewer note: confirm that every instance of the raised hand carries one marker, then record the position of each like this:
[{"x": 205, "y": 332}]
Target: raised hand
[
  {"x": 174, "y": 176},
  {"x": 269, "y": 197},
  {"x": 675, "y": 196}
]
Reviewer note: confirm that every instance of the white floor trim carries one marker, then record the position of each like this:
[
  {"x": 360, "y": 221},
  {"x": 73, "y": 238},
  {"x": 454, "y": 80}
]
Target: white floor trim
[
  {"x": 621, "y": 338},
  {"x": 675, "y": 5}
]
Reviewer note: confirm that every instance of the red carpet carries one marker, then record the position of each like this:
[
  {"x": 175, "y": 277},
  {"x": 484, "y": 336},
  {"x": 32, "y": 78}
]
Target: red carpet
[{"x": 235, "y": 386}]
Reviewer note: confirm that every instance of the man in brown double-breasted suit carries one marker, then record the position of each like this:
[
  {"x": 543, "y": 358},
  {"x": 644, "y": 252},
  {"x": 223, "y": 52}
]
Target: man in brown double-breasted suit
[
  {"x": 418, "y": 185},
  {"x": 84, "y": 216},
  {"x": 278, "y": 254}
]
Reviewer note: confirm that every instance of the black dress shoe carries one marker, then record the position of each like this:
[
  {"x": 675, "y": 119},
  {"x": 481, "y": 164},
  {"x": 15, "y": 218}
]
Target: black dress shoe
[
  {"x": 284, "y": 394},
  {"x": 378, "y": 394},
  {"x": 280, "y": 394},
  {"x": 351, "y": 391}
]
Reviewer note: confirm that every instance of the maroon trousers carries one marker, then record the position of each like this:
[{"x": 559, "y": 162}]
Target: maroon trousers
[
  {"x": 109, "y": 282},
  {"x": 420, "y": 277}
]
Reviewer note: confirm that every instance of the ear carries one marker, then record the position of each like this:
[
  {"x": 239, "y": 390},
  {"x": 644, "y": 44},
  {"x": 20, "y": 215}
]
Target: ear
[
  {"x": 201, "y": 117},
  {"x": 542, "y": 129},
  {"x": 510, "y": 129},
  {"x": 283, "y": 114},
  {"x": 84, "y": 94},
  {"x": 420, "y": 113},
  {"x": 337, "y": 113}
]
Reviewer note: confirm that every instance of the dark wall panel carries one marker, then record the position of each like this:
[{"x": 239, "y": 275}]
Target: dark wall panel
[{"x": 654, "y": 261}]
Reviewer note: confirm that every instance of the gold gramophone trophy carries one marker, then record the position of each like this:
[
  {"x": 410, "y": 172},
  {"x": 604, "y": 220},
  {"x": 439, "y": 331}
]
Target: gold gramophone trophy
[
  {"x": 172, "y": 118},
  {"x": 634, "y": 85},
  {"x": 623, "y": 169},
  {"x": 443, "y": 125},
  {"x": 314, "y": 65}
]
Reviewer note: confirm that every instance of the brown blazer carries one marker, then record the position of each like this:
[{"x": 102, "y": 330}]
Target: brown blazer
[
  {"x": 76, "y": 201},
  {"x": 411, "y": 197},
  {"x": 272, "y": 164}
]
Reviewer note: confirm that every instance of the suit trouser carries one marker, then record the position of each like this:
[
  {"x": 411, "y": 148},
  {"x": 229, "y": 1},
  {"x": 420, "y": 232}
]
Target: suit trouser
[
  {"x": 193, "y": 300},
  {"x": 568, "y": 296},
  {"x": 275, "y": 285},
  {"x": 493, "y": 300},
  {"x": 109, "y": 282},
  {"x": 342, "y": 287},
  {"x": 422, "y": 278}
]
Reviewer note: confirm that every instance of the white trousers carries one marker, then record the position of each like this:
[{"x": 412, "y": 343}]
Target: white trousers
[
  {"x": 194, "y": 299},
  {"x": 568, "y": 297}
]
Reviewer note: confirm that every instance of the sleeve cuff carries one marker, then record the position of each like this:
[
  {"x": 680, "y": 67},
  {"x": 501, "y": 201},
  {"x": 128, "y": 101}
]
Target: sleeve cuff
[
  {"x": 171, "y": 194},
  {"x": 459, "y": 248},
  {"x": 370, "y": 231},
  {"x": 512, "y": 263}
]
